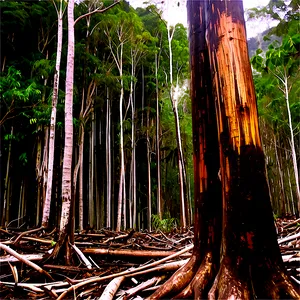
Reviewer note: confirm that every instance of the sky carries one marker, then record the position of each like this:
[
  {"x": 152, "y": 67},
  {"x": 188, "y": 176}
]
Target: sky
[{"x": 178, "y": 14}]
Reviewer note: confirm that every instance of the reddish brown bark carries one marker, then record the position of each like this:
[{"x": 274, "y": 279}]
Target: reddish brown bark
[
  {"x": 207, "y": 186},
  {"x": 251, "y": 256},
  {"x": 245, "y": 261}
]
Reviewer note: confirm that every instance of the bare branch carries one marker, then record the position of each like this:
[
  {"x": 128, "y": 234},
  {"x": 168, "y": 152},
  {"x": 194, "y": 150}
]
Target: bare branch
[{"x": 98, "y": 10}]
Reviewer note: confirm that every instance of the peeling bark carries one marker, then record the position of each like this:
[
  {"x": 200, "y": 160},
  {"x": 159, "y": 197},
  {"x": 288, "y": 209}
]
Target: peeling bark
[{"x": 244, "y": 262}]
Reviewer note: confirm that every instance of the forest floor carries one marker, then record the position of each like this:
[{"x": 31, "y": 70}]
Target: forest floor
[{"x": 123, "y": 265}]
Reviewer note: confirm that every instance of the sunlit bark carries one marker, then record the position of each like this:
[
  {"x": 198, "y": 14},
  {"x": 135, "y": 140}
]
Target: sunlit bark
[{"x": 245, "y": 261}]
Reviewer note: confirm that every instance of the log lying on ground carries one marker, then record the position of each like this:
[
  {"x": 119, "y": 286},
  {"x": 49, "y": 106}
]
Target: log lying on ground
[
  {"x": 25, "y": 261},
  {"x": 112, "y": 288},
  {"x": 125, "y": 295},
  {"x": 99, "y": 279},
  {"x": 132, "y": 253},
  {"x": 82, "y": 257},
  {"x": 30, "y": 257},
  {"x": 61, "y": 287},
  {"x": 289, "y": 238}
]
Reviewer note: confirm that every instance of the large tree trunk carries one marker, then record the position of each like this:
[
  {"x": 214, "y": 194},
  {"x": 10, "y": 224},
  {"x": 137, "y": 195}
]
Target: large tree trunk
[
  {"x": 249, "y": 243},
  {"x": 245, "y": 261}
]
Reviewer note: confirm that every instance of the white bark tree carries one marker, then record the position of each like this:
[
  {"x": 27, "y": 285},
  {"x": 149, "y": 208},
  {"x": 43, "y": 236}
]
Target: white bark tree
[
  {"x": 47, "y": 203},
  {"x": 64, "y": 227}
]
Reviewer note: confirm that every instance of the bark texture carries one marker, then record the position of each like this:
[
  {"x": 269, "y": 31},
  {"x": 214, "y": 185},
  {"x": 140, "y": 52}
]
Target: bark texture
[
  {"x": 65, "y": 220},
  {"x": 244, "y": 262},
  {"x": 47, "y": 202}
]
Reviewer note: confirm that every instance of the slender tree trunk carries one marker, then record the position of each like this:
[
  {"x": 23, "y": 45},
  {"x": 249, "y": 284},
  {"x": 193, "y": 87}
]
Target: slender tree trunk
[
  {"x": 108, "y": 161},
  {"x": 282, "y": 199},
  {"x": 181, "y": 168},
  {"x": 292, "y": 204},
  {"x": 44, "y": 166},
  {"x": 149, "y": 199},
  {"x": 174, "y": 93},
  {"x": 65, "y": 220},
  {"x": 133, "y": 176},
  {"x": 91, "y": 176},
  {"x": 38, "y": 161},
  {"x": 6, "y": 196},
  {"x": 158, "y": 196},
  {"x": 47, "y": 202},
  {"x": 78, "y": 170},
  {"x": 121, "y": 199},
  {"x": 292, "y": 142}
]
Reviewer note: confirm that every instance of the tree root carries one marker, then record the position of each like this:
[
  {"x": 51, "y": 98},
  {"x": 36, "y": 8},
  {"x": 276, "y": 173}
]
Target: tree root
[
  {"x": 276, "y": 286},
  {"x": 228, "y": 285},
  {"x": 265, "y": 281},
  {"x": 199, "y": 283},
  {"x": 179, "y": 280}
]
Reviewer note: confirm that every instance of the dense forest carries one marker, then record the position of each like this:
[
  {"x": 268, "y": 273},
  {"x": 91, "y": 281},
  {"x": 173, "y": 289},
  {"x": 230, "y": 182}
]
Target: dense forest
[
  {"x": 132, "y": 140},
  {"x": 112, "y": 118},
  {"x": 122, "y": 72}
]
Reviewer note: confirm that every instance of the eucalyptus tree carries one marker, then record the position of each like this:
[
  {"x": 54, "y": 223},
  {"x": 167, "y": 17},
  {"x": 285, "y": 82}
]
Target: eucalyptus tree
[
  {"x": 17, "y": 93},
  {"x": 65, "y": 220},
  {"x": 66, "y": 224},
  {"x": 47, "y": 202},
  {"x": 235, "y": 256},
  {"x": 138, "y": 49},
  {"x": 152, "y": 20},
  {"x": 36, "y": 66},
  {"x": 119, "y": 29},
  {"x": 274, "y": 109},
  {"x": 174, "y": 75},
  {"x": 281, "y": 63}
]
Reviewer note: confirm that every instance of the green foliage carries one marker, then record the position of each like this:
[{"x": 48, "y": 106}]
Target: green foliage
[
  {"x": 165, "y": 225},
  {"x": 23, "y": 158}
]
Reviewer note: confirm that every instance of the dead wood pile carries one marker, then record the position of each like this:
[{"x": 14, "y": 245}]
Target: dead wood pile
[{"x": 109, "y": 265}]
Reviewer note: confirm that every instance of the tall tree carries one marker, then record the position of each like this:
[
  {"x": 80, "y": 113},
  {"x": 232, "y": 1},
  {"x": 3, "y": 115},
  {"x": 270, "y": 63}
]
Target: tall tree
[
  {"x": 66, "y": 224},
  {"x": 65, "y": 220},
  {"x": 281, "y": 63},
  {"x": 47, "y": 202},
  {"x": 248, "y": 262}
]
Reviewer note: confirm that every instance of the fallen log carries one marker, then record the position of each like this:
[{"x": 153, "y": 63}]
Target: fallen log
[
  {"x": 99, "y": 279},
  {"x": 25, "y": 261},
  {"x": 82, "y": 257},
  {"x": 30, "y": 257},
  {"x": 125, "y": 295},
  {"x": 66, "y": 268},
  {"x": 132, "y": 253},
  {"x": 112, "y": 288},
  {"x": 289, "y": 238}
]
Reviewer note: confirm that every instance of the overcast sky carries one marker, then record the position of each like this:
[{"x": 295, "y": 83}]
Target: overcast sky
[{"x": 179, "y": 15}]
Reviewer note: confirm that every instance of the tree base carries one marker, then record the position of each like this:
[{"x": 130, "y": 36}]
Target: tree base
[{"x": 231, "y": 282}]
